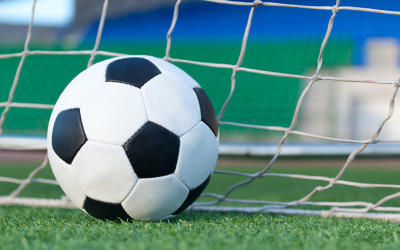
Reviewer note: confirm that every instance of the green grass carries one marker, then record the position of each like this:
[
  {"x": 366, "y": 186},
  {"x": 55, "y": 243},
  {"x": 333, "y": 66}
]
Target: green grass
[
  {"x": 49, "y": 228},
  {"x": 38, "y": 228}
]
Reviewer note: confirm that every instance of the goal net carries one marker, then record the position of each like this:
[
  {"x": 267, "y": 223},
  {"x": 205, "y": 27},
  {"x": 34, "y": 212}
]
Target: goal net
[{"x": 223, "y": 201}]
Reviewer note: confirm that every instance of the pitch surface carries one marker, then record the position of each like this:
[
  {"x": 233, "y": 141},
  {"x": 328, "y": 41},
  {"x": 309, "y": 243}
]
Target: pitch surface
[{"x": 43, "y": 228}]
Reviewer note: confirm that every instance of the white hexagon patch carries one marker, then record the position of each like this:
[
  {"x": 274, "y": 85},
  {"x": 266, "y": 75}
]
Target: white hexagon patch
[
  {"x": 113, "y": 113},
  {"x": 63, "y": 173},
  {"x": 155, "y": 198},
  {"x": 104, "y": 172},
  {"x": 197, "y": 156},
  {"x": 171, "y": 104}
]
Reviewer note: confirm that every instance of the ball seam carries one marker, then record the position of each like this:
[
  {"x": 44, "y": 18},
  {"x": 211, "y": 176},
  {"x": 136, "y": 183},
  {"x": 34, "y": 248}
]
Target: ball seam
[
  {"x": 216, "y": 155},
  {"x": 72, "y": 174}
]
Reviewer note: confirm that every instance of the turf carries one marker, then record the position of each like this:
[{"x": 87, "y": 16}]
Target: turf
[
  {"x": 38, "y": 228},
  {"x": 48, "y": 228}
]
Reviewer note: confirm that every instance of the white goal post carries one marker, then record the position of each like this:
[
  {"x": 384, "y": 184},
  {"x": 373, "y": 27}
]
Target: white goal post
[{"x": 353, "y": 209}]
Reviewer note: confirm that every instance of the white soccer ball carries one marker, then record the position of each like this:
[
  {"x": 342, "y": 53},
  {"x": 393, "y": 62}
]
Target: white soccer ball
[{"x": 133, "y": 138}]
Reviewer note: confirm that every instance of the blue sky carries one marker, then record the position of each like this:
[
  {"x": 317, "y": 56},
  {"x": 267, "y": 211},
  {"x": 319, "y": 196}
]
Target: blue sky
[{"x": 51, "y": 13}]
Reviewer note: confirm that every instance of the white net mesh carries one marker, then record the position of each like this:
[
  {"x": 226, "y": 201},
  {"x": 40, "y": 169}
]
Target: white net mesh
[{"x": 337, "y": 209}]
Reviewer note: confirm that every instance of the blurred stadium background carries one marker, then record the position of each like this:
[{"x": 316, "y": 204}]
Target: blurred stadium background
[{"x": 286, "y": 40}]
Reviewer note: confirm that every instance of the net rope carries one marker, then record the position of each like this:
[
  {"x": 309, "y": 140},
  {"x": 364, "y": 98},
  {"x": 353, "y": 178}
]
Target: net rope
[{"x": 352, "y": 209}]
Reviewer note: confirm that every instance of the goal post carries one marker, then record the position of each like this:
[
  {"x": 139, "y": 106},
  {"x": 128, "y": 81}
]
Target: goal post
[{"x": 354, "y": 209}]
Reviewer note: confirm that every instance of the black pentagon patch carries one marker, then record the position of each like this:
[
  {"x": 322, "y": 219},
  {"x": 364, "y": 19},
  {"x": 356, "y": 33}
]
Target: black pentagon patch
[
  {"x": 105, "y": 211},
  {"x": 68, "y": 134},
  {"x": 153, "y": 151},
  {"x": 133, "y": 71},
  {"x": 192, "y": 196},
  {"x": 207, "y": 111}
]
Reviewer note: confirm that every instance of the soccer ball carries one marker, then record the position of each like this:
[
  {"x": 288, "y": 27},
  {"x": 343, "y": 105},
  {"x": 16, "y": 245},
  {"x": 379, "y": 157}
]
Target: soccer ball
[{"x": 133, "y": 138}]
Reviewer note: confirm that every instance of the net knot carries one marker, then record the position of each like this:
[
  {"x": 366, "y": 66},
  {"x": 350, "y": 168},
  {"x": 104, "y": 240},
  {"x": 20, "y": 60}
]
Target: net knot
[
  {"x": 370, "y": 206},
  {"x": 335, "y": 9},
  {"x": 397, "y": 84},
  {"x": 316, "y": 77},
  {"x": 257, "y": 3},
  {"x": 167, "y": 58}
]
